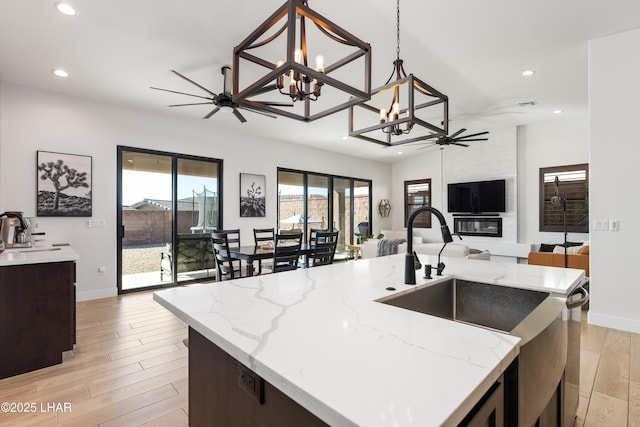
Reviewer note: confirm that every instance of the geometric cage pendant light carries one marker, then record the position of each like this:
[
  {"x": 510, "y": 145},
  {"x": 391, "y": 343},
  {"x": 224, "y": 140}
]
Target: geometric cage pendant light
[
  {"x": 408, "y": 109},
  {"x": 300, "y": 65}
]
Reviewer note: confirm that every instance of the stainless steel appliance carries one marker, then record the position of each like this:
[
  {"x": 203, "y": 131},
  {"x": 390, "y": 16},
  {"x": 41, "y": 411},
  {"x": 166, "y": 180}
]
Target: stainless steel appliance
[
  {"x": 573, "y": 316},
  {"x": 14, "y": 230}
]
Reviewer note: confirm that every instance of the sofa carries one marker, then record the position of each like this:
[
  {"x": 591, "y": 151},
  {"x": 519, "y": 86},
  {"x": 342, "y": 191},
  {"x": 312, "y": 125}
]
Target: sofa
[
  {"x": 455, "y": 250},
  {"x": 577, "y": 256}
]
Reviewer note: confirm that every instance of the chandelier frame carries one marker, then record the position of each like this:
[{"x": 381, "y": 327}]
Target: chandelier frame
[{"x": 293, "y": 9}]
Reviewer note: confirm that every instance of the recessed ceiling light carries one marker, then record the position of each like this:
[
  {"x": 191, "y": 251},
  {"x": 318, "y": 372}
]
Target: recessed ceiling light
[
  {"x": 557, "y": 111},
  {"x": 345, "y": 137},
  {"x": 60, "y": 72},
  {"x": 65, "y": 8},
  {"x": 399, "y": 152},
  {"x": 527, "y": 73}
]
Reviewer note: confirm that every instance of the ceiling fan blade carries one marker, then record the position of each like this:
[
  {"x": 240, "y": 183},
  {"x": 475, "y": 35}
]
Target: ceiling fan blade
[
  {"x": 215, "y": 110},
  {"x": 184, "y": 105},
  {"x": 427, "y": 146},
  {"x": 457, "y": 143},
  {"x": 253, "y": 110},
  {"x": 180, "y": 93},
  {"x": 475, "y": 134},
  {"x": 192, "y": 82},
  {"x": 278, "y": 104},
  {"x": 472, "y": 139},
  {"x": 457, "y": 133},
  {"x": 264, "y": 89},
  {"x": 238, "y": 115}
]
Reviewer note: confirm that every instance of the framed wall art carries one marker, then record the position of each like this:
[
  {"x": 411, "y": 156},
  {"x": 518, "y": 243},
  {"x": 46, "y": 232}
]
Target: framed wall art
[
  {"x": 64, "y": 184},
  {"x": 252, "y": 195}
]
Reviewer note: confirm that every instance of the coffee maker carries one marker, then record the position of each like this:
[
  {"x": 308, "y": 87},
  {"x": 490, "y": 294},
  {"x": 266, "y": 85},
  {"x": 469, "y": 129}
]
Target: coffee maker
[{"x": 14, "y": 230}]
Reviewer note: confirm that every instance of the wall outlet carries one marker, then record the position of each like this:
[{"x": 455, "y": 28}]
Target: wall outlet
[
  {"x": 614, "y": 225},
  {"x": 98, "y": 223},
  {"x": 87, "y": 223}
]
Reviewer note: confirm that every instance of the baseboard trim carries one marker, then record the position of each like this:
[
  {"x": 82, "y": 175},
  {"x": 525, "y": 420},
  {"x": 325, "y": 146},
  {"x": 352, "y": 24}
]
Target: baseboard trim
[
  {"x": 97, "y": 294},
  {"x": 614, "y": 322}
]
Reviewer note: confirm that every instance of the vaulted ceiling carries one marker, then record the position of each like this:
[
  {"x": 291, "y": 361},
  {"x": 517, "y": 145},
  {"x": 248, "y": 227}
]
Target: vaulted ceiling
[{"x": 473, "y": 51}]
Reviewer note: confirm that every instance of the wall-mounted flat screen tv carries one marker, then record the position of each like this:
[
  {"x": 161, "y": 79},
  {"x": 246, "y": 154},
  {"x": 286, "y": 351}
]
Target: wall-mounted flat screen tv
[{"x": 477, "y": 197}]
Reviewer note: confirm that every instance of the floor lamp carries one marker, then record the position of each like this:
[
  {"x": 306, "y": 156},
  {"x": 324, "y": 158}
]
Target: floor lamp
[{"x": 561, "y": 200}]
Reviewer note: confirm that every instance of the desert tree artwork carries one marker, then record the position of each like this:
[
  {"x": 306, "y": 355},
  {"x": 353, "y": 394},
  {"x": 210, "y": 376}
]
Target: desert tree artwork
[
  {"x": 252, "y": 195},
  {"x": 64, "y": 185}
]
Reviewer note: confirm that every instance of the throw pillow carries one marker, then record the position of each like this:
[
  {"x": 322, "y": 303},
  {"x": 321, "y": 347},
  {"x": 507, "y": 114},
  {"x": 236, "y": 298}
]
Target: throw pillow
[
  {"x": 545, "y": 247},
  {"x": 584, "y": 250},
  {"x": 571, "y": 250}
]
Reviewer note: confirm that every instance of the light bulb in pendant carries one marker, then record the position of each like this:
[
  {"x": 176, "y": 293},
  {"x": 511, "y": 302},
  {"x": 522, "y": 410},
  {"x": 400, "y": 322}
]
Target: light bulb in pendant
[{"x": 320, "y": 63}]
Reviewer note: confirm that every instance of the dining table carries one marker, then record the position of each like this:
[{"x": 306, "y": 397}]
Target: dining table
[{"x": 249, "y": 254}]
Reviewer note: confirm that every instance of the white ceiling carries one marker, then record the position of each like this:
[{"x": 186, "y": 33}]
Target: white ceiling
[{"x": 473, "y": 51}]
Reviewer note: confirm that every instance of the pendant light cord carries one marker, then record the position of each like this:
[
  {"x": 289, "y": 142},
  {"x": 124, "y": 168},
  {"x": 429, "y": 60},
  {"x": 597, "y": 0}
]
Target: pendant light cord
[{"x": 398, "y": 29}]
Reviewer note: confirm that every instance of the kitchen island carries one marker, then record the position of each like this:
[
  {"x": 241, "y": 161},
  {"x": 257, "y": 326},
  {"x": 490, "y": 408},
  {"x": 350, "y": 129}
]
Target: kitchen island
[
  {"x": 37, "y": 307},
  {"x": 320, "y": 337}
]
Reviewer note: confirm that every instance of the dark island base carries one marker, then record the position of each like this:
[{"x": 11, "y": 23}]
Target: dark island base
[{"x": 224, "y": 392}]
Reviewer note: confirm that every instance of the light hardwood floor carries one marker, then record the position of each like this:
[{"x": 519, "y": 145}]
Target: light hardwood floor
[{"x": 129, "y": 368}]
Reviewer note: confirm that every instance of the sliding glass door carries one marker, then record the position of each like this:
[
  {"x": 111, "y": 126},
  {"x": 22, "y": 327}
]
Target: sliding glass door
[
  {"x": 167, "y": 206},
  {"x": 311, "y": 200}
]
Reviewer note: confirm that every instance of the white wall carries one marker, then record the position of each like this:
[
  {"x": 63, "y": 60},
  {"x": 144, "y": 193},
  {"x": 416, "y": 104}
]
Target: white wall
[
  {"x": 553, "y": 143},
  {"x": 614, "y": 90},
  {"x": 33, "y": 120},
  {"x": 482, "y": 160}
]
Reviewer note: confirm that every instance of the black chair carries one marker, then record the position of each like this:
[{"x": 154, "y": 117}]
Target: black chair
[
  {"x": 362, "y": 231},
  {"x": 262, "y": 237},
  {"x": 221, "y": 241},
  {"x": 313, "y": 232},
  {"x": 286, "y": 251},
  {"x": 325, "y": 248}
]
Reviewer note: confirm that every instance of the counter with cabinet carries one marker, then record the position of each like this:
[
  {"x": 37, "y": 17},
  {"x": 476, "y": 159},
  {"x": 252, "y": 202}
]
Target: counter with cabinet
[
  {"x": 317, "y": 345},
  {"x": 37, "y": 307}
]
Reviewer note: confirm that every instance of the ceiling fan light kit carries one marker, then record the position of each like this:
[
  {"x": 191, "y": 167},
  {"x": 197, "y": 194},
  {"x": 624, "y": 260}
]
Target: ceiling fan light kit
[
  {"x": 414, "y": 107},
  {"x": 285, "y": 33}
]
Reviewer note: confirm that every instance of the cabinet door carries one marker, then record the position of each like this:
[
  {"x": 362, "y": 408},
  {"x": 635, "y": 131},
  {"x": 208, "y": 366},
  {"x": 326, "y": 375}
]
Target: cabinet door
[
  {"x": 36, "y": 315},
  {"x": 490, "y": 411}
]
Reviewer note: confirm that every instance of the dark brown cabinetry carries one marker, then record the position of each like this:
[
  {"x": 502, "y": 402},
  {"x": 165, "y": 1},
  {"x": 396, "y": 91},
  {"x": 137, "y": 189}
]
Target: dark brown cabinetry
[
  {"x": 489, "y": 412},
  {"x": 222, "y": 389},
  {"x": 37, "y": 315}
]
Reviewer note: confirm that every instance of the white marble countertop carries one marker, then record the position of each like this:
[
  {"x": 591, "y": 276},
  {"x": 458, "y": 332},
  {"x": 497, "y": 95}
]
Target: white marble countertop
[
  {"x": 38, "y": 254},
  {"x": 320, "y": 337}
]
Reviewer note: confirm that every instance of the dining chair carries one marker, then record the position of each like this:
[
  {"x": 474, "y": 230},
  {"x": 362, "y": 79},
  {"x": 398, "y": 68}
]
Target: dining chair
[
  {"x": 313, "y": 232},
  {"x": 263, "y": 237},
  {"x": 221, "y": 241},
  {"x": 325, "y": 248},
  {"x": 286, "y": 251}
]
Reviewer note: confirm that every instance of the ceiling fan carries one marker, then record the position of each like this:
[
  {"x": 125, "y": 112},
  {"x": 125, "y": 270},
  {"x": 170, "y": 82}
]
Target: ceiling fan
[
  {"x": 223, "y": 100},
  {"x": 454, "y": 139}
]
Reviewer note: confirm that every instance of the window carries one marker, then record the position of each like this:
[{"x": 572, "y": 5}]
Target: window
[
  {"x": 312, "y": 200},
  {"x": 572, "y": 191},
  {"x": 417, "y": 194}
]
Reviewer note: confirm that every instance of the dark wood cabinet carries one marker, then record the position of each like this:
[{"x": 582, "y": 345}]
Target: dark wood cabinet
[
  {"x": 224, "y": 392},
  {"x": 489, "y": 412},
  {"x": 37, "y": 315}
]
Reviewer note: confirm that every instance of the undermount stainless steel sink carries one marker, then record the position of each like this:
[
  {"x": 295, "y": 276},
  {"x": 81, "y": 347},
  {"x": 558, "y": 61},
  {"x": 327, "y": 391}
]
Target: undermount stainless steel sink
[
  {"x": 533, "y": 316},
  {"x": 496, "y": 307}
]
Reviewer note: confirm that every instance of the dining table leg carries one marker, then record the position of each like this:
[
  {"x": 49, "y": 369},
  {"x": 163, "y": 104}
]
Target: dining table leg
[{"x": 250, "y": 269}]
